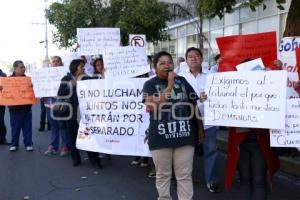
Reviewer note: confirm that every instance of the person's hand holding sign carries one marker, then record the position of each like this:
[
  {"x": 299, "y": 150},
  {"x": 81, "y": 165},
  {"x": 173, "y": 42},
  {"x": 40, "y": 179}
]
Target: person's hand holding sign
[{"x": 203, "y": 96}]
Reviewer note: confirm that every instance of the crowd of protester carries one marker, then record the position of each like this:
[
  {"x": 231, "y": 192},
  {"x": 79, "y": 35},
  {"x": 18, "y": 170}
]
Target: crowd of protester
[{"x": 249, "y": 150}]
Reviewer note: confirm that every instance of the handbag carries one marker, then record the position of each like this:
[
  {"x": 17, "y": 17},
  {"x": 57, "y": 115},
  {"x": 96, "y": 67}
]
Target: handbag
[{"x": 62, "y": 108}]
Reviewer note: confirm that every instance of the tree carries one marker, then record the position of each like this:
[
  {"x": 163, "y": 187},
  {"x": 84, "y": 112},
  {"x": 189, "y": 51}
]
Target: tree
[
  {"x": 212, "y": 8},
  {"x": 131, "y": 16}
]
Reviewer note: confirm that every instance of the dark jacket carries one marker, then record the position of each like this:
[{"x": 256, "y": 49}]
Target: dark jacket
[
  {"x": 68, "y": 91},
  {"x": 19, "y": 108},
  {"x": 2, "y": 74}
]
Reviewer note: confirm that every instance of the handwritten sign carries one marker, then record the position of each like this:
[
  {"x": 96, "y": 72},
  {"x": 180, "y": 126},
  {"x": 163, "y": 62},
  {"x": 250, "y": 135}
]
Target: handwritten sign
[
  {"x": 93, "y": 41},
  {"x": 290, "y": 137},
  {"x": 124, "y": 62},
  {"x": 46, "y": 80},
  {"x": 16, "y": 91},
  {"x": 235, "y": 49},
  {"x": 246, "y": 99},
  {"x": 287, "y": 55},
  {"x": 113, "y": 117}
]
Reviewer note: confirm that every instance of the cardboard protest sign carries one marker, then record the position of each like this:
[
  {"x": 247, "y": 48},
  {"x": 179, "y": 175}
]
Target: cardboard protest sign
[
  {"x": 246, "y": 99},
  {"x": 16, "y": 91},
  {"x": 93, "y": 41},
  {"x": 125, "y": 62},
  {"x": 46, "y": 80},
  {"x": 287, "y": 55},
  {"x": 234, "y": 49},
  {"x": 113, "y": 117},
  {"x": 290, "y": 136}
]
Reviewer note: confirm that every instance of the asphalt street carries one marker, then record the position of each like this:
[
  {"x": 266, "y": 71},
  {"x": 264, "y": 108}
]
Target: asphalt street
[{"x": 34, "y": 176}]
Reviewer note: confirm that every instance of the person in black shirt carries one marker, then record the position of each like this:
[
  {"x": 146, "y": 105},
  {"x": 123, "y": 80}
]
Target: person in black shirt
[{"x": 174, "y": 127}]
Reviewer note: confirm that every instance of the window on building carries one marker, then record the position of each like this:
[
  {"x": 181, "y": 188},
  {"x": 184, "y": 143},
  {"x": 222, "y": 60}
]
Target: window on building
[
  {"x": 165, "y": 46},
  {"x": 181, "y": 46},
  {"x": 192, "y": 28},
  {"x": 205, "y": 25},
  {"x": 271, "y": 8},
  {"x": 157, "y": 48},
  {"x": 216, "y": 23},
  {"x": 248, "y": 27},
  {"x": 231, "y": 30},
  {"x": 232, "y": 18},
  {"x": 172, "y": 33},
  {"x": 192, "y": 41},
  {"x": 172, "y": 48},
  {"x": 213, "y": 35},
  {"x": 246, "y": 14},
  {"x": 268, "y": 24},
  {"x": 182, "y": 31}
]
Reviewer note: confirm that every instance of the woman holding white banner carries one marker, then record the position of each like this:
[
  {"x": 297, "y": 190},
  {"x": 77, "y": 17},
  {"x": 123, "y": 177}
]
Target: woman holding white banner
[
  {"x": 67, "y": 91},
  {"x": 173, "y": 128}
]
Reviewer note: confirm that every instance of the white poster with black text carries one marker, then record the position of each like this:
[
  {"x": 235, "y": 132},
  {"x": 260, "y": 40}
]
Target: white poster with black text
[
  {"x": 253, "y": 99},
  {"x": 290, "y": 137},
  {"x": 113, "y": 117}
]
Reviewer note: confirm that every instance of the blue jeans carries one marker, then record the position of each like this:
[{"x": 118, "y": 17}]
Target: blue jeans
[
  {"x": 210, "y": 155},
  {"x": 57, "y": 128},
  {"x": 2, "y": 125},
  {"x": 21, "y": 121}
]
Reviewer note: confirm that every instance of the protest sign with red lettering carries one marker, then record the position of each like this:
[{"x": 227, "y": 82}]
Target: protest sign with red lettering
[
  {"x": 16, "y": 91},
  {"x": 235, "y": 49}
]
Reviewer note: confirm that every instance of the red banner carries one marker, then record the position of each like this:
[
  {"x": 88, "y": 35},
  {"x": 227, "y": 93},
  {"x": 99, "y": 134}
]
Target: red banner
[
  {"x": 16, "y": 91},
  {"x": 298, "y": 60},
  {"x": 237, "y": 48}
]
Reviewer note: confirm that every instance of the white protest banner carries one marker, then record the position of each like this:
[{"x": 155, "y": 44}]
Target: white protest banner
[
  {"x": 46, "y": 80},
  {"x": 113, "y": 117},
  {"x": 93, "y": 41},
  {"x": 251, "y": 99},
  {"x": 125, "y": 62},
  {"x": 137, "y": 40},
  {"x": 288, "y": 57},
  {"x": 290, "y": 137},
  {"x": 252, "y": 65}
]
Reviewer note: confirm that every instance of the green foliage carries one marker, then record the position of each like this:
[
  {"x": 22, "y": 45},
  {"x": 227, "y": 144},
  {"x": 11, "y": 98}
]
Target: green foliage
[
  {"x": 131, "y": 16},
  {"x": 212, "y": 8},
  {"x": 144, "y": 17}
]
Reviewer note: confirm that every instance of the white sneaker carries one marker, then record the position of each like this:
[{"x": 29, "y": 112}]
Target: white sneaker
[
  {"x": 29, "y": 148},
  {"x": 13, "y": 148}
]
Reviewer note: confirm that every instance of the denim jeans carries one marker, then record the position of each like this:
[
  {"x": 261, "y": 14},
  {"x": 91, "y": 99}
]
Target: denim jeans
[
  {"x": 210, "y": 155},
  {"x": 2, "y": 125},
  {"x": 21, "y": 121},
  {"x": 57, "y": 128},
  {"x": 252, "y": 171}
]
